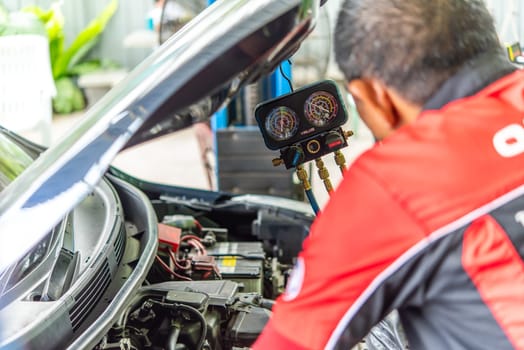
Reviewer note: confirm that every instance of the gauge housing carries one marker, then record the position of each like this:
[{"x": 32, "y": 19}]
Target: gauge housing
[
  {"x": 318, "y": 108},
  {"x": 321, "y": 108},
  {"x": 281, "y": 123}
]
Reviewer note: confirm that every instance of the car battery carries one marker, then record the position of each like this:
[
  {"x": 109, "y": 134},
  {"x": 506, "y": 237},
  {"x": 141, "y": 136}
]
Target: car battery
[{"x": 242, "y": 262}]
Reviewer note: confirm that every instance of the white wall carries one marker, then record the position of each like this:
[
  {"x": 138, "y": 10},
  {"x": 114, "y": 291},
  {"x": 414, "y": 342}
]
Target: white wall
[{"x": 509, "y": 19}]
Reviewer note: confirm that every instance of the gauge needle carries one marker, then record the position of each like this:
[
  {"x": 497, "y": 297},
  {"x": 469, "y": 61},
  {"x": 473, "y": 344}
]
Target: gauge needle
[{"x": 320, "y": 108}]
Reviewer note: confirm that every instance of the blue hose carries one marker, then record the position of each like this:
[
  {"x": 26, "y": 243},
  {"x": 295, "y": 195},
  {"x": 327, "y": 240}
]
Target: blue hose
[
  {"x": 296, "y": 158},
  {"x": 313, "y": 201}
]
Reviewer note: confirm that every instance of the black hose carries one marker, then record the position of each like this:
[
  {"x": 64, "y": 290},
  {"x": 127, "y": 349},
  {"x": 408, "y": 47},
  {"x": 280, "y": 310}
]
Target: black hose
[
  {"x": 267, "y": 304},
  {"x": 137, "y": 300},
  {"x": 173, "y": 338},
  {"x": 202, "y": 321}
]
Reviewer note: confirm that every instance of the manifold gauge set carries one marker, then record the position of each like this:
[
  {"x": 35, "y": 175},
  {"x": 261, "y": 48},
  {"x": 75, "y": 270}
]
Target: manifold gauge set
[{"x": 305, "y": 125}]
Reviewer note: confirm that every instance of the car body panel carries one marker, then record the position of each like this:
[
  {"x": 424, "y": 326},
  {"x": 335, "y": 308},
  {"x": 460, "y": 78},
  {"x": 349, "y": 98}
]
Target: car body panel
[{"x": 184, "y": 81}]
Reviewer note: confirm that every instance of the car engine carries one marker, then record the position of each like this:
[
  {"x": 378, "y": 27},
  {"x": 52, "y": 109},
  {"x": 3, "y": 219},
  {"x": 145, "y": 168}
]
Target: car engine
[{"x": 219, "y": 266}]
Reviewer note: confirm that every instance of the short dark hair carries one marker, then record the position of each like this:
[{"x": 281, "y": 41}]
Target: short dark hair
[{"x": 412, "y": 46}]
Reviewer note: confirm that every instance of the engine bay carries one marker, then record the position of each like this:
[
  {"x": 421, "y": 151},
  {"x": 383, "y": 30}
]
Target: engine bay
[
  {"x": 222, "y": 262},
  {"x": 218, "y": 268}
]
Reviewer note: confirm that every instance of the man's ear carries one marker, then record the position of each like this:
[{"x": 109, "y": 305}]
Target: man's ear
[{"x": 375, "y": 106}]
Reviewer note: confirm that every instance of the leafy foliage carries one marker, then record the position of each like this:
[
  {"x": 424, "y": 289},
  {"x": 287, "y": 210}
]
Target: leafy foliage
[
  {"x": 69, "y": 98},
  {"x": 84, "y": 41},
  {"x": 13, "y": 161},
  {"x": 63, "y": 60}
]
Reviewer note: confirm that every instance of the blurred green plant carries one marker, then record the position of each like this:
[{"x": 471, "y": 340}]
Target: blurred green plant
[
  {"x": 13, "y": 160},
  {"x": 69, "y": 98},
  {"x": 3, "y": 17},
  {"x": 62, "y": 60}
]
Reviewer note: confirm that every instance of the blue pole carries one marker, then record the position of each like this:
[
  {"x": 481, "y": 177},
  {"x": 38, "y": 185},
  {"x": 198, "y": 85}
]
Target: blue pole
[
  {"x": 279, "y": 85},
  {"x": 220, "y": 119}
]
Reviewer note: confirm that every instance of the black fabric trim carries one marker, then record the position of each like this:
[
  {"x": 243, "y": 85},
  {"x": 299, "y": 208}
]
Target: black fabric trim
[
  {"x": 511, "y": 217},
  {"x": 439, "y": 306},
  {"x": 471, "y": 78}
]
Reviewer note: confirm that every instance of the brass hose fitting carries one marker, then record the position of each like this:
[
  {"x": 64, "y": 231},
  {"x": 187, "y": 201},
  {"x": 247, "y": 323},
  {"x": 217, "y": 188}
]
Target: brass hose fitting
[
  {"x": 303, "y": 177},
  {"x": 323, "y": 173},
  {"x": 348, "y": 134},
  {"x": 277, "y": 162},
  {"x": 340, "y": 160}
]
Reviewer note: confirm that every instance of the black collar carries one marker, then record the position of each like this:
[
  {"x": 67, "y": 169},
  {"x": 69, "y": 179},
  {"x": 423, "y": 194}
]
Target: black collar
[{"x": 471, "y": 78}]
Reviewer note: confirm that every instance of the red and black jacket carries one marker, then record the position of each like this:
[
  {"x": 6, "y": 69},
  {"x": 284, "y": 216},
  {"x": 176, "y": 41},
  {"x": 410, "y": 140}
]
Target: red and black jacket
[{"x": 429, "y": 222}]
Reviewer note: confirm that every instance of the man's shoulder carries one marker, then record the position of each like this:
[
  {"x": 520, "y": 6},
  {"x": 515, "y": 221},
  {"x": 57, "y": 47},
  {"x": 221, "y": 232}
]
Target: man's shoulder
[
  {"x": 453, "y": 160},
  {"x": 443, "y": 135},
  {"x": 504, "y": 95}
]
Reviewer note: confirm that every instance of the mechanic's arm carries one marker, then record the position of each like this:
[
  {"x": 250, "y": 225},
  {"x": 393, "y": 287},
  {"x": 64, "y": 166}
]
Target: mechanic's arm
[{"x": 342, "y": 284}]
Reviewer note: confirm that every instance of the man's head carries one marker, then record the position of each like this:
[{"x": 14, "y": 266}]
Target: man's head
[{"x": 395, "y": 54}]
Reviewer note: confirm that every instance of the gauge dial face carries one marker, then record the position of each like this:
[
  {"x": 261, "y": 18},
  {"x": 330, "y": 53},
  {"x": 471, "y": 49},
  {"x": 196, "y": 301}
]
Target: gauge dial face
[
  {"x": 282, "y": 123},
  {"x": 321, "y": 108}
]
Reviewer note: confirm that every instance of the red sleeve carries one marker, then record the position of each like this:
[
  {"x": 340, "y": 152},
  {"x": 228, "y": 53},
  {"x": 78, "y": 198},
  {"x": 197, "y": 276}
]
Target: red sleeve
[
  {"x": 352, "y": 246},
  {"x": 272, "y": 339}
]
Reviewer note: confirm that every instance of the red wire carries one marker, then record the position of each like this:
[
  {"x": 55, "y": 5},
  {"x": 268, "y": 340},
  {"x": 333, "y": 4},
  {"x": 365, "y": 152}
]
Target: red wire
[
  {"x": 177, "y": 262},
  {"x": 168, "y": 270},
  {"x": 195, "y": 245},
  {"x": 190, "y": 237},
  {"x": 197, "y": 241},
  {"x": 198, "y": 225}
]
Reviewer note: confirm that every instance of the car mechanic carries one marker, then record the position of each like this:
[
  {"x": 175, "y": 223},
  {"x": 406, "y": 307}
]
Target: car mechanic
[{"x": 430, "y": 220}]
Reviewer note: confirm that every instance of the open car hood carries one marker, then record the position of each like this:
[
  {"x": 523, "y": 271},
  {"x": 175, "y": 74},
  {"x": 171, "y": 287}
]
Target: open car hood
[{"x": 189, "y": 77}]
